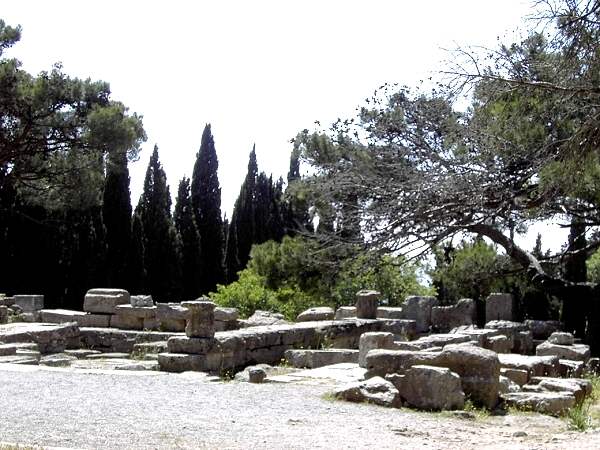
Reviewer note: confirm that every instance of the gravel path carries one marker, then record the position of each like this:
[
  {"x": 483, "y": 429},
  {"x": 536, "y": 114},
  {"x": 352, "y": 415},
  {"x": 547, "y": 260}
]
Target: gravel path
[{"x": 76, "y": 409}]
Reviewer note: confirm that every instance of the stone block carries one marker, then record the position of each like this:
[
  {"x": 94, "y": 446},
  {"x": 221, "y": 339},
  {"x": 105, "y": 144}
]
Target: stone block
[
  {"x": 575, "y": 352},
  {"x": 318, "y": 358},
  {"x": 554, "y": 403},
  {"x": 389, "y": 312},
  {"x": 8, "y": 349},
  {"x": 315, "y": 314},
  {"x": 200, "y": 319},
  {"x": 223, "y": 314},
  {"x": 105, "y": 300},
  {"x": 561, "y": 338},
  {"x": 3, "y": 314},
  {"x": 517, "y": 376},
  {"x": 498, "y": 344},
  {"x": 578, "y": 387},
  {"x": 263, "y": 318},
  {"x": 141, "y": 301},
  {"x": 29, "y": 303},
  {"x": 499, "y": 307},
  {"x": 570, "y": 369},
  {"x": 345, "y": 312},
  {"x": 375, "y": 390},
  {"x": 418, "y": 308},
  {"x": 534, "y": 365},
  {"x": 440, "y": 340},
  {"x": 371, "y": 341},
  {"x": 366, "y": 304},
  {"x": 81, "y": 318},
  {"x": 126, "y": 322},
  {"x": 185, "y": 344},
  {"x": 7, "y": 301},
  {"x": 432, "y": 388},
  {"x": 445, "y": 318}
]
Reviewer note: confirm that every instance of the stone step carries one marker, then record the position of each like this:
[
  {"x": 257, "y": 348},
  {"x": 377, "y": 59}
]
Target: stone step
[
  {"x": 312, "y": 359},
  {"x": 149, "y": 348},
  {"x": 18, "y": 359},
  {"x": 113, "y": 355}
]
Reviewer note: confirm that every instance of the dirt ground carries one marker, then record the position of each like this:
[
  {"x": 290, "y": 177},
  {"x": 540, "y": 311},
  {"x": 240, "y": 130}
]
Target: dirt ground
[{"x": 75, "y": 408}]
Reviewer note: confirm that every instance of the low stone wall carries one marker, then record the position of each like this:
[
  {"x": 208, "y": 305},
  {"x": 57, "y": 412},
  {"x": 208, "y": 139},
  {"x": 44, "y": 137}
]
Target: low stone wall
[{"x": 267, "y": 344}]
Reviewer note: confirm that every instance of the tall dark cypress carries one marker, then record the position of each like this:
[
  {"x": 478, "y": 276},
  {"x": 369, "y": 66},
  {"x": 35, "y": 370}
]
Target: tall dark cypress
[
  {"x": 136, "y": 268},
  {"x": 116, "y": 213},
  {"x": 206, "y": 202},
  {"x": 190, "y": 241},
  {"x": 161, "y": 242},
  {"x": 294, "y": 207},
  {"x": 256, "y": 217}
]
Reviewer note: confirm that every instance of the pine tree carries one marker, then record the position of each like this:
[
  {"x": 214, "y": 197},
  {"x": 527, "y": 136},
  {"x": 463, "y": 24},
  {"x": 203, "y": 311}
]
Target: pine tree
[
  {"x": 161, "y": 242},
  {"x": 190, "y": 240},
  {"x": 116, "y": 213},
  {"x": 206, "y": 203}
]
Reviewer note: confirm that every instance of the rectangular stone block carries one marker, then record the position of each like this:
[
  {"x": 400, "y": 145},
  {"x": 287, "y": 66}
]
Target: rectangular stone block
[
  {"x": 126, "y": 322},
  {"x": 104, "y": 300},
  {"x": 81, "y": 318},
  {"x": 184, "y": 344},
  {"x": 29, "y": 303},
  {"x": 140, "y": 312},
  {"x": 499, "y": 307}
]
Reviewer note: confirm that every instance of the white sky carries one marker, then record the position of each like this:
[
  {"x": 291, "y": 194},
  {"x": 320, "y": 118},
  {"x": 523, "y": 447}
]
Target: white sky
[{"x": 258, "y": 71}]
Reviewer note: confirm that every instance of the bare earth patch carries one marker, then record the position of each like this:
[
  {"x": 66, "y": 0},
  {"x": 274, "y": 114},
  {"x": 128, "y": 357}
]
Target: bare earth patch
[{"x": 118, "y": 409}]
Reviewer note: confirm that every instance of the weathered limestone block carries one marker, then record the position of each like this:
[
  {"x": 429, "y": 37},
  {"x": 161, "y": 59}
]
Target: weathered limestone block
[
  {"x": 373, "y": 340},
  {"x": 380, "y": 362},
  {"x": 19, "y": 359},
  {"x": 171, "y": 316},
  {"x": 499, "y": 307},
  {"x": 201, "y": 319},
  {"x": 3, "y": 314},
  {"x": 374, "y": 390},
  {"x": 8, "y": 349},
  {"x": 542, "y": 329},
  {"x": 140, "y": 301},
  {"x": 498, "y": 344},
  {"x": 571, "y": 369},
  {"x": 516, "y": 332},
  {"x": 132, "y": 317},
  {"x": 262, "y": 318},
  {"x": 50, "y": 338},
  {"x": 256, "y": 375},
  {"x": 108, "y": 339},
  {"x": 432, "y": 388},
  {"x": 345, "y": 312},
  {"x": 366, "y": 304},
  {"x": 517, "y": 376},
  {"x": 390, "y": 312},
  {"x": 418, "y": 308},
  {"x": 554, "y": 403},
  {"x": 105, "y": 300},
  {"x": 578, "y": 387},
  {"x": 223, "y": 314},
  {"x": 439, "y": 340},
  {"x": 561, "y": 338},
  {"x": 534, "y": 365},
  {"x": 508, "y": 385},
  {"x": 81, "y": 318},
  {"x": 57, "y": 360},
  {"x": 479, "y": 370},
  {"x": 575, "y": 352},
  {"x": 316, "y": 313},
  {"x": 29, "y": 303},
  {"x": 445, "y": 318},
  {"x": 318, "y": 358},
  {"x": 191, "y": 345},
  {"x": 479, "y": 335}
]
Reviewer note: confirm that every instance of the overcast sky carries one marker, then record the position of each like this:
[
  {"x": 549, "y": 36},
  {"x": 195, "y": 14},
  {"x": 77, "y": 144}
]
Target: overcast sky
[{"x": 258, "y": 71}]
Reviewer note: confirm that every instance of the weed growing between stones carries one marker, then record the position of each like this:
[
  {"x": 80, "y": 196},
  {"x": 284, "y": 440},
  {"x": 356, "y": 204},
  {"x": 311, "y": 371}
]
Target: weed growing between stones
[
  {"x": 586, "y": 414},
  {"x": 479, "y": 412}
]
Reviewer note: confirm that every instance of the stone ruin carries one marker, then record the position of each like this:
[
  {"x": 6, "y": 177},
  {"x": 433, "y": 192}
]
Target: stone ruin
[{"x": 420, "y": 355}]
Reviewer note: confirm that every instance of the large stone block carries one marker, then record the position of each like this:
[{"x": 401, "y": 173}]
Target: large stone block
[
  {"x": 517, "y": 332},
  {"x": 575, "y": 352},
  {"x": 105, "y": 300},
  {"x": 140, "y": 301},
  {"x": 191, "y": 345},
  {"x": 534, "y": 365},
  {"x": 418, "y": 308},
  {"x": 561, "y": 338},
  {"x": 223, "y": 314},
  {"x": 375, "y": 390},
  {"x": 432, "y": 388},
  {"x": 366, "y": 304},
  {"x": 29, "y": 303},
  {"x": 262, "y": 318},
  {"x": 578, "y": 387},
  {"x": 390, "y": 312},
  {"x": 318, "y": 358},
  {"x": 3, "y": 314},
  {"x": 81, "y": 318},
  {"x": 200, "y": 319},
  {"x": 555, "y": 403},
  {"x": 499, "y": 307},
  {"x": 371, "y": 341},
  {"x": 445, "y": 318},
  {"x": 345, "y": 312},
  {"x": 316, "y": 314}
]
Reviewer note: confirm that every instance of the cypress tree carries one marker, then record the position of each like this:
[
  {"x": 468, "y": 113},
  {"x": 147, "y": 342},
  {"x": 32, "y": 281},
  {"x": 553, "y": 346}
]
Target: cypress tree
[
  {"x": 206, "y": 203},
  {"x": 116, "y": 213},
  {"x": 190, "y": 241},
  {"x": 294, "y": 208},
  {"x": 161, "y": 242},
  {"x": 136, "y": 271}
]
